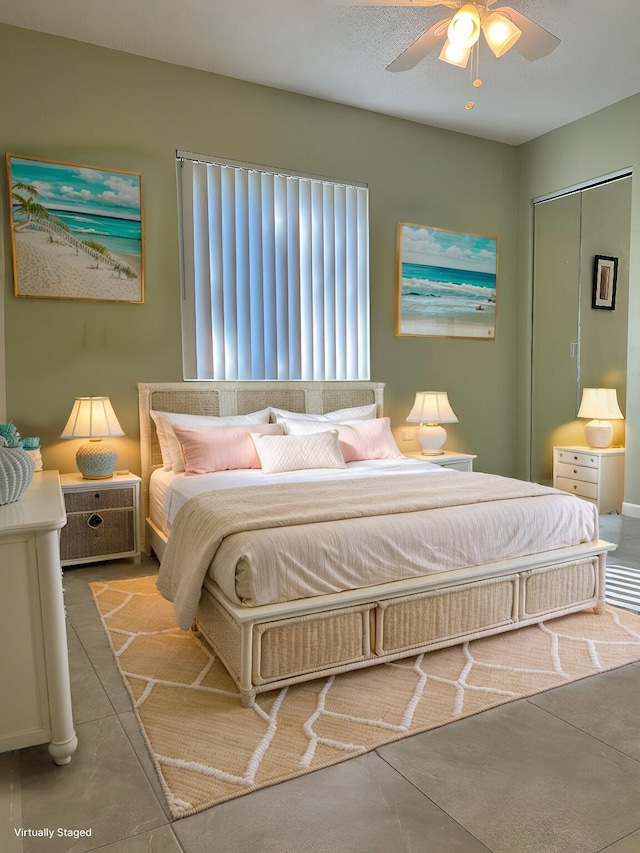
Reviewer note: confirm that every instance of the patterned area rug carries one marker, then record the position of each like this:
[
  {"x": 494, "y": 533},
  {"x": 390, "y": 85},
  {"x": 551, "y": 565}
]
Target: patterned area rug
[{"x": 208, "y": 749}]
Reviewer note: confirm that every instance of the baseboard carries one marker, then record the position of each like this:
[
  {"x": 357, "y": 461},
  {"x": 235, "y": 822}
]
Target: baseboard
[{"x": 631, "y": 509}]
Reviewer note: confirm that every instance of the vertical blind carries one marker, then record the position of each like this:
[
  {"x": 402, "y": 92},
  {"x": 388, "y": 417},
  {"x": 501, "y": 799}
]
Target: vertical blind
[{"x": 275, "y": 274}]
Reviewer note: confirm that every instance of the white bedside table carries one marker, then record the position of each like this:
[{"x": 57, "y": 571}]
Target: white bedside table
[
  {"x": 102, "y": 518},
  {"x": 447, "y": 459},
  {"x": 596, "y": 475}
]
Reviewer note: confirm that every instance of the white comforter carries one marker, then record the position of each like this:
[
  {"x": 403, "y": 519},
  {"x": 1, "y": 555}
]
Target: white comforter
[{"x": 264, "y": 546}]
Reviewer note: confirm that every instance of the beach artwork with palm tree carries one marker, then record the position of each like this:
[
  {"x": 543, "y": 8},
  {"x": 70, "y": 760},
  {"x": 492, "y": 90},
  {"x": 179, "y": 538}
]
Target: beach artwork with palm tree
[{"x": 76, "y": 231}]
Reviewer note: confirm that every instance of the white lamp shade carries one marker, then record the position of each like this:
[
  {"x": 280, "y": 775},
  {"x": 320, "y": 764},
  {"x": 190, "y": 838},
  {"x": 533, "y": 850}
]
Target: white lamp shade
[
  {"x": 432, "y": 407},
  {"x": 92, "y": 417},
  {"x": 501, "y": 33},
  {"x": 600, "y": 404}
]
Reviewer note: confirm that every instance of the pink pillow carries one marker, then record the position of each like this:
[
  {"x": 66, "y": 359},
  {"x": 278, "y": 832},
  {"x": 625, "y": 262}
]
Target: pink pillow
[
  {"x": 368, "y": 440},
  {"x": 359, "y": 440},
  {"x": 208, "y": 449}
]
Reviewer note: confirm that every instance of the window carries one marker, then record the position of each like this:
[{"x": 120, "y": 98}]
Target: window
[{"x": 275, "y": 274}]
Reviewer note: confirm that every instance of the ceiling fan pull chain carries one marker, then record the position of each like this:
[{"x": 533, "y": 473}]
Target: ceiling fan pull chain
[
  {"x": 471, "y": 103},
  {"x": 474, "y": 82}
]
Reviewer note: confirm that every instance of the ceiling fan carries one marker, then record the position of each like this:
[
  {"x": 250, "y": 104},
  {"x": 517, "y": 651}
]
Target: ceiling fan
[{"x": 503, "y": 28}]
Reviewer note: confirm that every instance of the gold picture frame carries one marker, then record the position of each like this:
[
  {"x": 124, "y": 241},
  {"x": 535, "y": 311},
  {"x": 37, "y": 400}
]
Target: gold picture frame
[{"x": 76, "y": 231}]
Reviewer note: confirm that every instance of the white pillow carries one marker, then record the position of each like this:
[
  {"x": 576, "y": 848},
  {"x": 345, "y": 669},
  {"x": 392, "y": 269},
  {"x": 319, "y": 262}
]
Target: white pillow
[
  {"x": 298, "y": 452},
  {"x": 359, "y": 440},
  {"x": 171, "y": 451},
  {"x": 355, "y": 413}
]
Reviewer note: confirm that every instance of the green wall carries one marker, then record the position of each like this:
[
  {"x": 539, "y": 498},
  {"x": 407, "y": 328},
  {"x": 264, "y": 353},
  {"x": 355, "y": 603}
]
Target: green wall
[
  {"x": 601, "y": 144},
  {"x": 83, "y": 104}
]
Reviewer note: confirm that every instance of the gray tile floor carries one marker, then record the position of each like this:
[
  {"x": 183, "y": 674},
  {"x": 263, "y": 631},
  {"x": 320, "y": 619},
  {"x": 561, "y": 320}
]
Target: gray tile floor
[{"x": 557, "y": 773}]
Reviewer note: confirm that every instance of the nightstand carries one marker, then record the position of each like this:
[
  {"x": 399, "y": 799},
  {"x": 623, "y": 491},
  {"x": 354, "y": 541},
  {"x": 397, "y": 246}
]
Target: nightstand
[
  {"x": 596, "y": 475},
  {"x": 102, "y": 519},
  {"x": 447, "y": 459}
]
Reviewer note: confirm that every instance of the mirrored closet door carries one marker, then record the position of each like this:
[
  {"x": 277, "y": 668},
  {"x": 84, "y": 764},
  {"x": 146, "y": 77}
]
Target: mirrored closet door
[{"x": 575, "y": 346}]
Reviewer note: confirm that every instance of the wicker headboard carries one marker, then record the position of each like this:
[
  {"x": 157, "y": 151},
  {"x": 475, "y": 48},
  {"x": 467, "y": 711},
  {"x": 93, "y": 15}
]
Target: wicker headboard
[{"x": 239, "y": 398}]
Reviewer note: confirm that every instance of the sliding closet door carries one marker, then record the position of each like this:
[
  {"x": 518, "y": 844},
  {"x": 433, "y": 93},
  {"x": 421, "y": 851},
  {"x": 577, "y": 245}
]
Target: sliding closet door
[{"x": 556, "y": 278}]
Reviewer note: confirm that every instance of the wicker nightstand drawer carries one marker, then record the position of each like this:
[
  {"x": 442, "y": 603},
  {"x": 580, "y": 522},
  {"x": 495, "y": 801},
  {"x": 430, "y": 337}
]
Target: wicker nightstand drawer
[
  {"x": 94, "y": 501},
  {"x": 96, "y": 534},
  {"x": 102, "y": 519}
]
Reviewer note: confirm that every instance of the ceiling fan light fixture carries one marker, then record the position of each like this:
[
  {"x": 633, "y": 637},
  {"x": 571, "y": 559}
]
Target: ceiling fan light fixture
[
  {"x": 455, "y": 54},
  {"x": 464, "y": 29},
  {"x": 501, "y": 33}
]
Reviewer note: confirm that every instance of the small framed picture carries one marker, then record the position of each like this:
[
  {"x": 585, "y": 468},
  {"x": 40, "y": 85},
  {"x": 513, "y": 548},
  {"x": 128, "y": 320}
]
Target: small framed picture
[{"x": 605, "y": 278}]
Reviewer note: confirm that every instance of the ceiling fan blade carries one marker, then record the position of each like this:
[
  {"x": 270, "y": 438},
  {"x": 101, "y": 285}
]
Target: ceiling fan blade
[
  {"x": 535, "y": 42},
  {"x": 396, "y": 3},
  {"x": 423, "y": 45}
]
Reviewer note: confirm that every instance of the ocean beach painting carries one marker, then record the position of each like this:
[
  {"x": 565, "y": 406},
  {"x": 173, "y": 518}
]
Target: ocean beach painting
[
  {"x": 447, "y": 283},
  {"x": 76, "y": 231}
]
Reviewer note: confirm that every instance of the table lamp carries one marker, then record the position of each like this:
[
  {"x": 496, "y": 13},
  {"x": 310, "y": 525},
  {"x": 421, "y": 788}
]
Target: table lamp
[
  {"x": 94, "y": 418},
  {"x": 430, "y": 409},
  {"x": 601, "y": 405}
]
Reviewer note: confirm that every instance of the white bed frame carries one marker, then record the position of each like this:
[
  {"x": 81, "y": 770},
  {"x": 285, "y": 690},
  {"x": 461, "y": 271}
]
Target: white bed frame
[{"x": 276, "y": 645}]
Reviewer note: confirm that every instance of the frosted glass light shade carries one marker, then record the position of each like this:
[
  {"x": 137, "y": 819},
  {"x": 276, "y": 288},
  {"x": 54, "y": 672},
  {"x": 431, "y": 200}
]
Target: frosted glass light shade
[
  {"x": 464, "y": 29},
  {"x": 601, "y": 405},
  {"x": 94, "y": 418},
  {"x": 430, "y": 409},
  {"x": 455, "y": 54},
  {"x": 501, "y": 33}
]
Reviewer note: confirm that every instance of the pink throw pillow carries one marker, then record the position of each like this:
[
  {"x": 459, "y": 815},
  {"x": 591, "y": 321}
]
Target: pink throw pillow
[
  {"x": 368, "y": 440},
  {"x": 209, "y": 449}
]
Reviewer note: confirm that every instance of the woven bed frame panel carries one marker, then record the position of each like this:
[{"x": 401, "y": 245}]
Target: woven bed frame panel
[
  {"x": 222, "y": 632},
  {"x": 444, "y": 614},
  {"x": 548, "y": 589},
  {"x": 337, "y": 640},
  {"x": 310, "y": 643}
]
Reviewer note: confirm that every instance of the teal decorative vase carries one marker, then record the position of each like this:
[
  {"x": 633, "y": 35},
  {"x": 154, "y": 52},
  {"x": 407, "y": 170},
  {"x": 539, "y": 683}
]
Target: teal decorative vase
[{"x": 16, "y": 472}]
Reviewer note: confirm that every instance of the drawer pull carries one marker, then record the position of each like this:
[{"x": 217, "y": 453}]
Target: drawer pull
[
  {"x": 575, "y": 471},
  {"x": 94, "y": 521}
]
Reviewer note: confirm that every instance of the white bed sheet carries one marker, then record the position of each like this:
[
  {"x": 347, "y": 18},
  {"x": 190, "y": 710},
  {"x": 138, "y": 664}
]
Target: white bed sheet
[{"x": 169, "y": 491}]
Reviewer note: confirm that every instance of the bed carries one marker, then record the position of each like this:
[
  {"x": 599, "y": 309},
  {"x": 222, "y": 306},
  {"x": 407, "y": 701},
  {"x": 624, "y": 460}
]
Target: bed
[{"x": 372, "y": 562}]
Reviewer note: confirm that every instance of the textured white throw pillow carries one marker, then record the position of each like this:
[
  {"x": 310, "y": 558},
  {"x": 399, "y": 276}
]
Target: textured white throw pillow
[{"x": 298, "y": 452}]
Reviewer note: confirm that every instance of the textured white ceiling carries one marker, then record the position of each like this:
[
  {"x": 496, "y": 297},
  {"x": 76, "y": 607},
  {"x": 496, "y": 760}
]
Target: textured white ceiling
[{"x": 338, "y": 52}]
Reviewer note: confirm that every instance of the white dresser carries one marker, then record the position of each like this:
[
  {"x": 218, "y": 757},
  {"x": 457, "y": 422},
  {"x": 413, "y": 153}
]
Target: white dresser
[
  {"x": 34, "y": 661},
  {"x": 597, "y": 475}
]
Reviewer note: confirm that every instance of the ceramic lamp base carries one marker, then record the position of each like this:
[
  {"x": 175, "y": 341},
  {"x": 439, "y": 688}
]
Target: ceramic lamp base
[
  {"x": 431, "y": 437},
  {"x": 599, "y": 433},
  {"x": 96, "y": 459}
]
